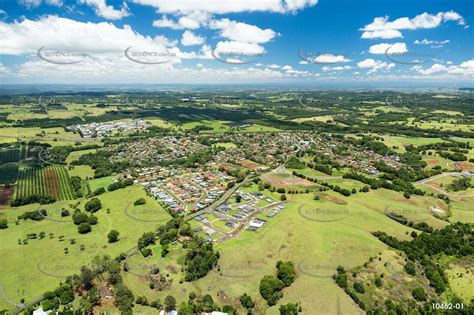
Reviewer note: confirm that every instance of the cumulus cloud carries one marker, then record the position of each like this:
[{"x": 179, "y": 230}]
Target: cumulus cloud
[
  {"x": 382, "y": 27},
  {"x": 396, "y": 48},
  {"x": 235, "y": 47},
  {"x": 466, "y": 68},
  {"x": 29, "y": 4},
  {"x": 107, "y": 11},
  {"x": 325, "y": 58},
  {"x": 56, "y": 3},
  {"x": 374, "y": 65},
  {"x": 242, "y": 32},
  {"x": 190, "y": 39},
  {"x": 166, "y": 22},
  {"x": 223, "y": 7},
  {"x": 192, "y": 20},
  {"x": 54, "y": 32},
  {"x": 384, "y": 34}
]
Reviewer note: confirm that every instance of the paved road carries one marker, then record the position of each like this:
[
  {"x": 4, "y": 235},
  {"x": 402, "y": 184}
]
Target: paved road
[
  {"x": 242, "y": 225},
  {"x": 425, "y": 182},
  {"x": 20, "y": 306},
  {"x": 220, "y": 201}
]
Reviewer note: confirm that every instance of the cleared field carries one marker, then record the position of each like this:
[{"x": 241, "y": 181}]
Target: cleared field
[
  {"x": 160, "y": 123},
  {"x": 324, "y": 118},
  {"x": 83, "y": 171},
  {"x": 226, "y": 145},
  {"x": 259, "y": 128},
  {"x": 400, "y": 141},
  {"x": 216, "y": 125},
  {"x": 286, "y": 180},
  {"x": 100, "y": 182},
  {"x": 434, "y": 160},
  {"x": 75, "y": 155},
  {"x": 250, "y": 164}
]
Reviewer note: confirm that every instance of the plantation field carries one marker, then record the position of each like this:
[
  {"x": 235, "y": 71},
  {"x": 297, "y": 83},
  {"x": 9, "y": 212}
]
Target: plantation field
[
  {"x": 8, "y": 173},
  {"x": 11, "y": 155},
  {"x": 42, "y": 263},
  {"x": 50, "y": 180}
]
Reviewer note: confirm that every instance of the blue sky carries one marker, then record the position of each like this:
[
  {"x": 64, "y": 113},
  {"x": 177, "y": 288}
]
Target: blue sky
[{"x": 235, "y": 41}]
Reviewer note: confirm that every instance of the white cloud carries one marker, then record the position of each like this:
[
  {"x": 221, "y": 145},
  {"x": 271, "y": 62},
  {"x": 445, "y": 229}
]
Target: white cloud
[
  {"x": 192, "y": 20},
  {"x": 273, "y": 66},
  {"x": 396, "y": 48},
  {"x": 466, "y": 68},
  {"x": 429, "y": 42},
  {"x": 54, "y": 32},
  {"x": 327, "y": 58},
  {"x": 384, "y": 34},
  {"x": 433, "y": 69},
  {"x": 381, "y": 26},
  {"x": 118, "y": 69},
  {"x": 232, "y": 6},
  {"x": 29, "y": 4},
  {"x": 242, "y": 32},
  {"x": 337, "y": 68},
  {"x": 56, "y": 3},
  {"x": 374, "y": 65},
  {"x": 165, "y": 22},
  {"x": 341, "y": 68},
  {"x": 190, "y": 39},
  {"x": 234, "y": 47},
  {"x": 107, "y": 11}
]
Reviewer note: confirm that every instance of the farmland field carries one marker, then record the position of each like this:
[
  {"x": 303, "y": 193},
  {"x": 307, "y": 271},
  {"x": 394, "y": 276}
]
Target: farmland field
[
  {"x": 51, "y": 180},
  {"x": 8, "y": 173}
]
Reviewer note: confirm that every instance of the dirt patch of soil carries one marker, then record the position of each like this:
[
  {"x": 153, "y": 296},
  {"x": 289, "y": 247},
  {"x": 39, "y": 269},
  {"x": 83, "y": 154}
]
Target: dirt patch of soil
[
  {"x": 5, "y": 195},
  {"x": 282, "y": 180},
  {"x": 250, "y": 164},
  {"x": 465, "y": 166},
  {"x": 335, "y": 199}
]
